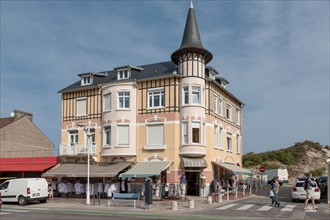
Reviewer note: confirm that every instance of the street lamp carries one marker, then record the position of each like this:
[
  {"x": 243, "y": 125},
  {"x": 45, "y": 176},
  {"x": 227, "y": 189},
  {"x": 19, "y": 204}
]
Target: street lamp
[{"x": 88, "y": 133}]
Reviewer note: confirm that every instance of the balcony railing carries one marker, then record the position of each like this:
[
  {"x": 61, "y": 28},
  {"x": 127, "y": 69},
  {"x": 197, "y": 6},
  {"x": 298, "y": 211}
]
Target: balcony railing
[{"x": 76, "y": 149}]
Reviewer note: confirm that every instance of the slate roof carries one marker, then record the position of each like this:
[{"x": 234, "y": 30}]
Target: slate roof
[{"x": 150, "y": 71}]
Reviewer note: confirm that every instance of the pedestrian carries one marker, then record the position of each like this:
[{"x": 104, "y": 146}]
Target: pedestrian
[
  {"x": 50, "y": 190},
  {"x": 309, "y": 184},
  {"x": 275, "y": 190},
  {"x": 212, "y": 190}
]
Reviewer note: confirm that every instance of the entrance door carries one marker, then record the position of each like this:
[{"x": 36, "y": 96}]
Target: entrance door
[{"x": 193, "y": 183}]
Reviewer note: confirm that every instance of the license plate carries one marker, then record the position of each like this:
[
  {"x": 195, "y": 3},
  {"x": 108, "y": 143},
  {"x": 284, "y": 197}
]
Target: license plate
[{"x": 35, "y": 194}]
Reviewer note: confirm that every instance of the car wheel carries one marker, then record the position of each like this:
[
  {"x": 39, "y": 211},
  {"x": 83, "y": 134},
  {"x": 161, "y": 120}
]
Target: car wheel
[{"x": 22, "y": 200}]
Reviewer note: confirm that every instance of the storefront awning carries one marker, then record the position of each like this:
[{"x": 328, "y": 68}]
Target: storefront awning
[
  {"x": 80, "y": 170},
  {"x": 194, "y": 162},
  {"x": 234, "y": 168},
  {"x": 146, "y": 169},
  {"x": 27, "y": 164}
]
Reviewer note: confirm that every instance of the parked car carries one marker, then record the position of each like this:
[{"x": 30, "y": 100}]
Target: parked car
[
  {"x": 24, "y": 190},
  {"x": 299, "y": 193}
]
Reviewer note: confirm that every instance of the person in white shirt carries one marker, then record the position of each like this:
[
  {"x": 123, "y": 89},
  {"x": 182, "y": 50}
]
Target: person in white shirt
[{"x": 100, "y": 189}]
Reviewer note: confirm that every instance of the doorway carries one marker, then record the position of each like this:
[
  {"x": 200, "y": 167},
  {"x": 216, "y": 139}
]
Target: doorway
[{"x": 193, "y": 183}]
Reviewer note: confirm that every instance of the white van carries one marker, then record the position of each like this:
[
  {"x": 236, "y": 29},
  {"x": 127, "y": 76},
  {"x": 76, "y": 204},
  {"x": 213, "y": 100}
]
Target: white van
[
  {"x": 282, "y": 174},
  {"x": 24, "y": 190}
]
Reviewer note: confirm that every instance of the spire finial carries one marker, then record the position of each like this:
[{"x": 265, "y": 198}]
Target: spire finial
[{"x": 191, "y": 4}]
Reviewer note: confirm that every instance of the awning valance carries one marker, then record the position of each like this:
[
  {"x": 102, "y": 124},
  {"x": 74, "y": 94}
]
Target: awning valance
[
  {"x": 80, "y": 170},
  {"x": 234, "y": 168},
  {"x": 27, "y": 164},
  {"x": 146, "y": 169},
  {"x": 194, "y": 162}
]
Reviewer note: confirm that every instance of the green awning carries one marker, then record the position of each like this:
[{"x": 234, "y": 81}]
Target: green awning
[
  {"x": 80, "y": 170},
  {"x": 146, "y": 169},
  {"x": 234, "y": 168},
  {"x": 194, "y": 162}
]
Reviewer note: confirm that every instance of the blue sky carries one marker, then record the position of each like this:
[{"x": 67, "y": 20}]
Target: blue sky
[{"x": 275, "y": 54}]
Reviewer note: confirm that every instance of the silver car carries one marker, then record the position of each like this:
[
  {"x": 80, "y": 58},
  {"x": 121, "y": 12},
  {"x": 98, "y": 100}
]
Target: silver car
[{"x": 299, "y": 193}]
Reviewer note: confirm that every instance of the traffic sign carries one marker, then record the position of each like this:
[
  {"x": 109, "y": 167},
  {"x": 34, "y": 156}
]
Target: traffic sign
[{"x": 262, "y": 169}]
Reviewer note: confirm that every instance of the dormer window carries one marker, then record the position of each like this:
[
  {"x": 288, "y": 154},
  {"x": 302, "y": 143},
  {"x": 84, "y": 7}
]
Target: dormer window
[
  {"x": 86, "y": 80},
  {"x": 123, "y": 74}
]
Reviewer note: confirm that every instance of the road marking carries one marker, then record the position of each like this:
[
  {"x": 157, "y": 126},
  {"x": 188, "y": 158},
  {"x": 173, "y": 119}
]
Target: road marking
[
  {"x": 265, "y": 208},
  {"x": 288, "y": 208},
  {"x": 310, "y": 210},
  {"x": 227, "y": 206},
  {"x": 16, "y": 210},
  {"x": 4, "y": 213},
  {"x": 245, "y": 207}
]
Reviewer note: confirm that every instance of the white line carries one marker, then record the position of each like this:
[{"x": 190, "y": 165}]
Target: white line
[
  {"x": 245, "y": 207},
  {"x": 310, "y": 210},
  {"x": 226, "y": 206},
  {"x": 265, "y": 208},
  {"x": 4, "y": 213},
  {"x": 17, "y": 210},
  {"x": 288, "y": 208}
]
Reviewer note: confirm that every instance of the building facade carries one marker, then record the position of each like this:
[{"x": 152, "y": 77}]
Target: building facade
[{"x": 178, "y": 111}]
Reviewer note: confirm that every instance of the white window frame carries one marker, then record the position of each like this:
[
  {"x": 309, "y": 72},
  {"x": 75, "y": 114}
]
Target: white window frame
[
  {"x": 185, "y": 132},
  {"x": 124, "y": 95},
  {"x": 196, "y": 92},
  {"x": 220, "y": 138},
  {"x": 107, "y": 135},
  {"x": 86, "y": 80},
  {"x": 73, "y": 135},
  {"x": 123, "y": 74},
  {"x": 152, "y": 129},
  {"x": 229, "y": 142},
  {"x": 81, "y": 110},
  {"x": 238, "y": 116},
  {"x": 154, "y": 93},
  {"x": 92, "y": 136},
  {"x": 215, "y": 104},
  {"x": 107, "y": 102},
  {"x": 215, "y": 136},
  {"x": 185, "y": 95},
  {"x": 229, "y": 113},
  {"x": 123, "y": 143},
  {"x": 199, "y": 132},
  {"x": 220, "y": 106},
  {"x": 238, "y": 144}
]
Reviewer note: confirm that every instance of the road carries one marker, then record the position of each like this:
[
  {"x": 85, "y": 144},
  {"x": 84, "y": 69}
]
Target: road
[{"x": 256, "y": 207}]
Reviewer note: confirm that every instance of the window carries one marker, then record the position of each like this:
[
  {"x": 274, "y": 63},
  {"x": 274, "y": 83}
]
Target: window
[
  {"x": 229, "y": 115},
  {"x": 215, "y": 135},
  {"x": 196, "y": 95},
  {"x": 229, "y": 145},
  {"x": 215, "y": 104},
  {"x": 220, "y": 106},
  {"x": 238, "y": 116},
  {"x": 196, "y": 133},
  {"x": 185, "y": 95},
  {"x": 107, "y": 135},
  {"x": 238, "y": 144},
  {"x": 220, "y": 139},
  {"x": 156, "y": 136},
  {"x": 123, "y": 98},
  {"x": 92, "y": 136},
  {"x": 86, "y": 80},
  {"x": 81, "y": 106},
  {"x": 122, "y": 74},
  {"x": 107, "y": 102},
  {"x": 185, "y": 132},
  {"x": 73, "y": 137},
  {"x": 123, "y": 135},
  {"x": 156, "y": 98}
]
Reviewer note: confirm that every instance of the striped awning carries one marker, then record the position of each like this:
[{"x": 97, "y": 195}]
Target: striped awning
[
  {"x": 80, "y": 170},
  {"x": 194, "y": 162},
  {"x": 234, "y": 168},
  {"x": 146, "y": 169}
]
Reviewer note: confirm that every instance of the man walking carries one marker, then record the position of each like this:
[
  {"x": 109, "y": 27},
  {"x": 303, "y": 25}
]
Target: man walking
[{"x": 309, "y": 184}]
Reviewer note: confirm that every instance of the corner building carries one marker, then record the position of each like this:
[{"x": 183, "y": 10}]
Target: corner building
[{"x": 176, "y": 117}]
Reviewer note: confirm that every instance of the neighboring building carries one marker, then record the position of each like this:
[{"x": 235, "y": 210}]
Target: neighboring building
[
  {"x": 177, "y": 113},
  {"x": 25, "y": 151}
]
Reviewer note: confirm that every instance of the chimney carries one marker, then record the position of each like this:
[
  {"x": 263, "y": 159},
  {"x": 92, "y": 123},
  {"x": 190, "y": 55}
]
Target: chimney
[{"x": 20, "y": 114}]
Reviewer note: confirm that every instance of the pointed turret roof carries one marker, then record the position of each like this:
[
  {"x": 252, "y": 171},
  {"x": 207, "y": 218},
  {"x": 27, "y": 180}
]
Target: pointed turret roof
[{"x": 191, "y": 40}]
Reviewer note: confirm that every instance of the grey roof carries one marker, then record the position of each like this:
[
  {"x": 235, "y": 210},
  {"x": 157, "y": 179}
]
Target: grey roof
[
  {"x": 150, "y": 71},
  {"x": 191, "y": 41}
]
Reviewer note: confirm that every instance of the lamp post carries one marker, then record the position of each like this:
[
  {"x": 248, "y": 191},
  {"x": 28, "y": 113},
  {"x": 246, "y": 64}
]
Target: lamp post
[{"x": 88, "y": 133}]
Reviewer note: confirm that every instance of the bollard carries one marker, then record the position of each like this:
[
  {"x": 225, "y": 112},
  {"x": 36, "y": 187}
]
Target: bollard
[
  {"x": 250, "y": 190},
  {"x": 174, "y": 205},
  {"x": 209, "y": 200},
  {"x": 236, "y": 192},
  {"x": 220, "y": 197},
  {"x": 227, "y": 193},
  {"x": 108, "y": 202},
  {"x": 191, "y": 204},
  {"x": 99, "y": 199},
  {"x": 243, "y": 191}
]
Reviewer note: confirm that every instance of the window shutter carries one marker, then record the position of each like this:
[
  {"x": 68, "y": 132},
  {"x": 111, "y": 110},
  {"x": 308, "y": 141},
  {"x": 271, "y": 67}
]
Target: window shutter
[
  {"x": 123, "y": 134},
  {"x": 81, "y": 107},
  {"x": 156, "y": 135}
]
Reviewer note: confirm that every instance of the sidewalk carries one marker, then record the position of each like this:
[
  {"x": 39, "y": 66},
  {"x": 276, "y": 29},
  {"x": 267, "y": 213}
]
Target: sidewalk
[{"x": 158, "y": 206}]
